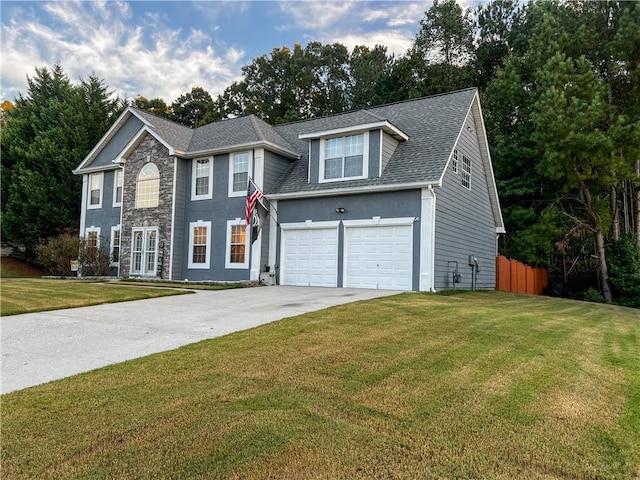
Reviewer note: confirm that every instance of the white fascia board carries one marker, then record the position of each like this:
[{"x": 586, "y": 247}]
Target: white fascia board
[
  {"x": 455, "y": 144},
  {"x": 241, "y": 147},
  {"x": 500, "y": 230},
  {"x": 353, "y": 190},
  {"x": 120, "y": 158},
  {"x": 385, "y": 125},
  {"x": 484, "y": 147},
  {"x": 103, "y": 168},
  {"x": 124, "y": 116},
  {"x": 121, "y": 120}
]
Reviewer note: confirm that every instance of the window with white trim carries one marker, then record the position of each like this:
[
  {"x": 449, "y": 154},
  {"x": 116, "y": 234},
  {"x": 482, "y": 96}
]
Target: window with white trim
[
  {"x": 92, "y": 237},
  {"x": 199, "y": 244},
  {"x": 239, "y": 168},
  {"x": 144, "y": 251},
  {"x": 118, "y": 180},
  {"x": 237, "y": 249},
  {"x": 148, "y": 186},
  {"x": 343, "y": 158},
  {"x": 466, "y": 172},
  {"x": 454, "y": 161},
  {"x": 202, "y": 179},
  {"x": 95, "y": 190},
  {"x": 115, "y": 246}
]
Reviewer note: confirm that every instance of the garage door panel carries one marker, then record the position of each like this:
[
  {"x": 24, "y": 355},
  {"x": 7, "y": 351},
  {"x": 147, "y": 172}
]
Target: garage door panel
[
  {"x": 310, "y": 257},
  {"x": 379, "y": 257}
]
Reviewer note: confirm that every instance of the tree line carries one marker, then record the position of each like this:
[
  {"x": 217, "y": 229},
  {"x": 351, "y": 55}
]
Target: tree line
[{"x": 560, "y": 88}]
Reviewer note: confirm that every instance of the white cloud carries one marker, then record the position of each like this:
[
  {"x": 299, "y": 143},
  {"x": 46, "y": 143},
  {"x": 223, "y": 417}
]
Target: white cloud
[
  {"x": 317, "y": 16},
  {"x": 352, "y": 23},
  {"x": 99, "y": 37}
]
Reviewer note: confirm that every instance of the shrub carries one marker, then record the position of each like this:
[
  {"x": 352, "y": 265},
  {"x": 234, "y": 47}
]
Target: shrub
[
  {"x": 94, "y": 260},
  {"x": 56, "y": 253},
  {"x": 593, "y": 295}
]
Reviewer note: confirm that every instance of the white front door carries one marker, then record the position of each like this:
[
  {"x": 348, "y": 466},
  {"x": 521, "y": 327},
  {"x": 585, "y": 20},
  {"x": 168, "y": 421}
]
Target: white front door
[
  {"x": 144, "y": 251},
  {"x": 309, "y": 257},
  {"x": 379, "y": 257}
]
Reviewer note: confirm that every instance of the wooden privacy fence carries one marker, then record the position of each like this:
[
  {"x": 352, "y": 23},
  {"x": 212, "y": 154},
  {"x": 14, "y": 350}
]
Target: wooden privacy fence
[{"x": 513, "y": 276}]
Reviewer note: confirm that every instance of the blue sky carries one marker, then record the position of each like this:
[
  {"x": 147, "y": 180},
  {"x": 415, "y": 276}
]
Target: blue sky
[{"x": 164, "y": 48}]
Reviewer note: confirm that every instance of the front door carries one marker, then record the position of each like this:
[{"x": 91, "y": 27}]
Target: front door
[{"x": 144, "y": 251}]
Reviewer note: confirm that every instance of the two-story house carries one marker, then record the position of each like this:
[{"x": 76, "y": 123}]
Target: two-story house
[{"x": 399, "y": 196}]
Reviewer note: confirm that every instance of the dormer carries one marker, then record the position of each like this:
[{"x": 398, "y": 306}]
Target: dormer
[{"x": 351, "y": 153}]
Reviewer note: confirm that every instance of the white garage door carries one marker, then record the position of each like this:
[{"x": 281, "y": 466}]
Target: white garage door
[
  {"x": 379, "y": 257},
  {"x": 309, "y": 257}
]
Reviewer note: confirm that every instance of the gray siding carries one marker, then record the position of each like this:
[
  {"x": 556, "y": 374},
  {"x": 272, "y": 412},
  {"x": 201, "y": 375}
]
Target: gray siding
[
  {"x": 314, "y": 162},
  {"x": 182, "y": 191},
  {"x": 374, "y": 153},
  {"x": 357, "y": 207},
  {"x": 117, "y": 143},
  {"x": 106, "y": 217},
  {"x": 464, "y": 220},
  {"x": 217, "y": 210},
  {"x": 274, "y": 168},
  {"x": 389, "y": 145}
]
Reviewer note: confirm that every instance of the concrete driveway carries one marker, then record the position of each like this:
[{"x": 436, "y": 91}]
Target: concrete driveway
[{"x": 40, "y": 347}]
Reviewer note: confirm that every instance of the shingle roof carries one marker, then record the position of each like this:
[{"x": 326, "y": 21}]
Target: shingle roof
[
  {"x": 432, "y": 124},
  {"x": 235, "y": 132},
  {"x": 176, "y": 135}
]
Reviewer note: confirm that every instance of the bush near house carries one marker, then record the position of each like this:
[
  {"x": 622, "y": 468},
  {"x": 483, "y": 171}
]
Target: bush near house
[{"x": 56, "y": 254}]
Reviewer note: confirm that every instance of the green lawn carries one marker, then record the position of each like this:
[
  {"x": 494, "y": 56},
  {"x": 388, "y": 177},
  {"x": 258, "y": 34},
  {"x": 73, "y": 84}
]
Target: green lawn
[
  {"x": 415, "y": 386},
  {"x": 24, "y": 295}
]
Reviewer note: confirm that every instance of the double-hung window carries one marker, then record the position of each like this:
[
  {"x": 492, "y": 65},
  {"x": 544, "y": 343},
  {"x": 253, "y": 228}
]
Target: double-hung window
[
  {"x": 199, "y": 244},
  {"x": 115, "y": 246},
  {"x": 454, "y": 161},
  {"x": 95, "y": 190},
  {"x": 237, "y": 250},
  {"x": 466, "y": 172},
  {"x": 343, "y": 158},
  {"x": 239, "y": 168},
  {"x": 202, "y": 179},
  {"x": 118, "y": 179},
  {"x": 92, "y": 237}
]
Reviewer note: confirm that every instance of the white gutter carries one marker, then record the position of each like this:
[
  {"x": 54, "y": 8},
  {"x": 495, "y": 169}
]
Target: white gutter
[{"x": 353, "y": 190}]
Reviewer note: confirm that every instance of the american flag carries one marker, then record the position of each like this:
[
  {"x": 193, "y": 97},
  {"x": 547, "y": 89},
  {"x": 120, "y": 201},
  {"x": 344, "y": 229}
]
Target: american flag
[{"x": 253, "y": 195}]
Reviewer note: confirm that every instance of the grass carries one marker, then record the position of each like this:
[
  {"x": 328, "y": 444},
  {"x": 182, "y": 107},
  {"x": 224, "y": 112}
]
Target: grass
[
  {"x": 25, "y": 295},
  {"x": 415, "y": 386}
]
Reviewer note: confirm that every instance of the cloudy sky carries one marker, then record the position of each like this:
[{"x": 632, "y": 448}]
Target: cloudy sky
[{"x": 164, "y": 48}]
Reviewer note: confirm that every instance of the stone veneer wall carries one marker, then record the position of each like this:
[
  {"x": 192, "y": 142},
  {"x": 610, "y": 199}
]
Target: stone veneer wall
[{"x": 148, "y": 150}]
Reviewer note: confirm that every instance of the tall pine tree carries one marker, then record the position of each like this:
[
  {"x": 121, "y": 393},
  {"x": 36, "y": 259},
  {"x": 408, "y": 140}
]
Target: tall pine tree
[{"x": 48, "y": 133}]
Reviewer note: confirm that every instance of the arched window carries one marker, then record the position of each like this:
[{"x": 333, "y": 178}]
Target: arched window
[{"x": 148, "y": 187}]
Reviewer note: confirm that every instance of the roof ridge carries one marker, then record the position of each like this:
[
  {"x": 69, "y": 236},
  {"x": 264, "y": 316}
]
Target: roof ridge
[
  {"x": 368, "y": 109},
  {"x": 425, "y": 97},
  {"x": 256, "y": 128},
  {"x": 162, "y": 119}
]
